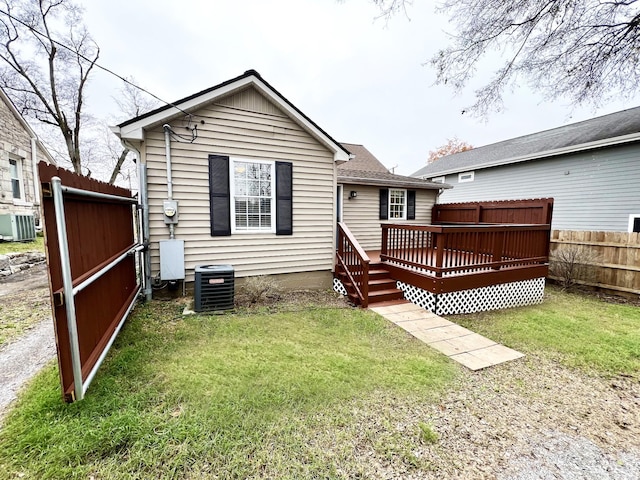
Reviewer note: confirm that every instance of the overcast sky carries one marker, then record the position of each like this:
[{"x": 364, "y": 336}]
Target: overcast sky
[{"x": 362, "y": 80}]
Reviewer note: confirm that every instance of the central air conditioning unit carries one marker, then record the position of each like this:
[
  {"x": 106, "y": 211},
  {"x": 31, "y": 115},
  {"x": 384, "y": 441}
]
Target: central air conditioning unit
[
  {"x": 214, "y": 288},
  {"x": 17, "y": 228}
]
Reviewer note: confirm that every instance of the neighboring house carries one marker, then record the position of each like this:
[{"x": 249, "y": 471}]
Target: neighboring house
[
  {"x": 590, "y": 168},
  {"x": 20, "y": 151},
  {"x": 369, "y": 195},
  {"x": 254, "y": 180}
]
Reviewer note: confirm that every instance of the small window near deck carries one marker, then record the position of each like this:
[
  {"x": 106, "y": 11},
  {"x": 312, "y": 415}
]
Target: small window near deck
[
  {"x": 397, "y": 204},
  {"x": 634, "y": 223},
  {"x": 465, "y": 177}
]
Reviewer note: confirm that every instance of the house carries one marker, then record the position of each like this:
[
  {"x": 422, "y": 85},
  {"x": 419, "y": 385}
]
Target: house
[
  {"x": 236, "y": 174},
  {"x": 369, "y": 195},
  {"x": 20, "y": 151},
  {"x": 590, "y": 168}
]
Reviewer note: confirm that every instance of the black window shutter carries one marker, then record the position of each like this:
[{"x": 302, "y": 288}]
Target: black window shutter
[
  {"x": 284, "y": 198},
  {"x": 384, "y": 204},
  {"x": 411, "y": 204},
  {"x": 219, "y": 196}
]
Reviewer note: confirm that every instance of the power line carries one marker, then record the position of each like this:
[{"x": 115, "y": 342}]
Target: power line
[{"x": 34, "y": 30}]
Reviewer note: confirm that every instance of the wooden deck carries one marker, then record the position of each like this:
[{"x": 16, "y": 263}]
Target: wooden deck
[{"x": 446, "y": 258}]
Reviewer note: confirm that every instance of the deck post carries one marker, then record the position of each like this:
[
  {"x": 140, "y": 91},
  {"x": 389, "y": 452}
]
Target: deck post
[
  {"x": 385, "y": 240},
  {"x": 498, "y": 248}
]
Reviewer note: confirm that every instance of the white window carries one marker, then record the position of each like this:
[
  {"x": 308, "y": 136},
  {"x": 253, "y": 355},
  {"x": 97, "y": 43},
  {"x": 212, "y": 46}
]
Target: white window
[
  {"x": 397, "y": 204},
  {"x": 253, "y": 187},
  {"x": 17, "y": 184},
  {"x": 634, "y": 223},
  {"x": 437, "y": 179},
  {"x": 465, "y": 177}
]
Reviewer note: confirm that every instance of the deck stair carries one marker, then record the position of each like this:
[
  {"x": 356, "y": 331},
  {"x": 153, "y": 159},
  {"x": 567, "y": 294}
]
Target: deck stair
[{"x": 382, "y": 288}]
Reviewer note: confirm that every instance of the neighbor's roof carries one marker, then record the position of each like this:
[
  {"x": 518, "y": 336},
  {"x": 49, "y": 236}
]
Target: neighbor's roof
[
  {"x": 133, "y": 129},
  {"x": 613, "y": 129},
  {"x": 365, "y": 169}
]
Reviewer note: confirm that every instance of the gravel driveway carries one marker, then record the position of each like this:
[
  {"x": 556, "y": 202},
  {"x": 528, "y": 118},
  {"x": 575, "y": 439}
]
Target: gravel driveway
[{"x": 23, "y": 357}]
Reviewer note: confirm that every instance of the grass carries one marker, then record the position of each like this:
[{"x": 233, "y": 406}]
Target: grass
[
  {"x": 578, "y": 330},
  {"x": 20, "y": 247},
  {"x": 233, "y": 396}
]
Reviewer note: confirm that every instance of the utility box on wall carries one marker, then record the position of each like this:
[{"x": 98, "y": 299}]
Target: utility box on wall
[{"x": 171, "y": 259}]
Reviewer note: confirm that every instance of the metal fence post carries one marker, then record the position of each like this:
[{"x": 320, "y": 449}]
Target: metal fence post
[{"x": 67, "y": 282}]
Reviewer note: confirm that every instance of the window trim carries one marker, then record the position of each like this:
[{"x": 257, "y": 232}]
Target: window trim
[
  {"x": 440, "y": 179},
  {"x": 20, "y": 178},
  {"x": 232, "y": 196},
  {"x": 632, "y": 217},
  {"x": 461, "y": 176},
  {"x": 404, "y": 205}
]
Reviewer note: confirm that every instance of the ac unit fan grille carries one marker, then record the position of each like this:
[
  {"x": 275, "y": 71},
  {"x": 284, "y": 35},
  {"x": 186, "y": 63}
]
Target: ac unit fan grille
[{"x": 215, "y": 287}]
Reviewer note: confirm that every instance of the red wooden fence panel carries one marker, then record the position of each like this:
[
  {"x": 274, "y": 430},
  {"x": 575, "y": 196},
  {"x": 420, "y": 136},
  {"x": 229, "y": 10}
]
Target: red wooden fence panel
[
  {"x": 98, "y": 232},
  {"x": 533, "y": 211}
]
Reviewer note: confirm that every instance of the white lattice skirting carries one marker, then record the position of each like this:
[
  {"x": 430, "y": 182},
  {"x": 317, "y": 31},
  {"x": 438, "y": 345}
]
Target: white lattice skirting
[
  {"x": 494, "y": 297},
  {"x": 339, "y": 287}
]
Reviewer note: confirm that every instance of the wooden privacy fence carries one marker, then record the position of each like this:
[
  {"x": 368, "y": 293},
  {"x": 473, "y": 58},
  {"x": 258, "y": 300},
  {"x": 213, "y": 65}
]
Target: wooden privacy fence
[
  {"x": 90, "y": 245},
  {"x": 609, "y": 260},
  {"x": 533, "y": 211}
]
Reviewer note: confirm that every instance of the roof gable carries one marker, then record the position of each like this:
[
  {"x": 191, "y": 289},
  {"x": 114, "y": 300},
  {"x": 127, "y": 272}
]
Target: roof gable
[
  {"x": 133, "y": 129},
  {"x": 613, "y": 129},
  {"x": 362, "y": 160}
]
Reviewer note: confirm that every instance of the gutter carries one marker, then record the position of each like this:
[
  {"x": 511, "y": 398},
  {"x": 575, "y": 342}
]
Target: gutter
[
  {"x": 36, "y": 180},
  {"x": 143, "y": 207},
  {"x": 392, "y": 183}
]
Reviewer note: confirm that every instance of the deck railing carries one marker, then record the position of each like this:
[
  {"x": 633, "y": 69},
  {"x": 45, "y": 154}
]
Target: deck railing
[
  {"x": 447, "y": 250},
  {"x": 355, "y": 263}
]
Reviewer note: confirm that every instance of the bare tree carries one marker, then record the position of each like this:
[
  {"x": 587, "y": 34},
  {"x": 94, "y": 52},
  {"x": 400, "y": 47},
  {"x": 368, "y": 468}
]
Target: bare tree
[
  {"x": 587, "y": 51},
  {"x": 132, "y": 102},
  {"x": 47, "y": 56},
  {"x": 453, "y": 145}
]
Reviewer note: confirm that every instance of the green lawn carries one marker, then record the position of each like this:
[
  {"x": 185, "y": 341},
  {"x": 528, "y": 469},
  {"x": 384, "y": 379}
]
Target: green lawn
[
  {"x": 14, "y": 247},
  {"x": 576, "y": 329},
  {"x": 241, "y": 396},
  {"x": 307, "y": 393}
]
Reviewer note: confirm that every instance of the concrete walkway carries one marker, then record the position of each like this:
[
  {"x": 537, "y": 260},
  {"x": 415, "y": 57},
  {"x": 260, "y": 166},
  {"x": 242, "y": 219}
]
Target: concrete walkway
[{"x": 470, "y": 349}]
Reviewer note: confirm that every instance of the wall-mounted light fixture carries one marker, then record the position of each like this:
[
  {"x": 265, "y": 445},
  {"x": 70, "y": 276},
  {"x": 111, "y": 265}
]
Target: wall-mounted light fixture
[{"x": 353, "y": 194}]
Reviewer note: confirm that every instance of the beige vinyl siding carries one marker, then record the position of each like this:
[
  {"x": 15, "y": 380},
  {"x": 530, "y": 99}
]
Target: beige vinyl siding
[
  {"x": 236, "y": 129},
  {"x": 362, "y": 214}
]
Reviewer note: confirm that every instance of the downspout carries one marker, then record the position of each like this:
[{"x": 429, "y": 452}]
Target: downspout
[
  {"x": 167, "y": 146},
  {"x": 36, "y": 182},
  {"x": 143, "y": 205}
]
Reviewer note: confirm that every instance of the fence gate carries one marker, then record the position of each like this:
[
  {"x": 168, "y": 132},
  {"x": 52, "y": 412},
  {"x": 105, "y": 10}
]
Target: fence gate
[{"x": 91, "y": 247}]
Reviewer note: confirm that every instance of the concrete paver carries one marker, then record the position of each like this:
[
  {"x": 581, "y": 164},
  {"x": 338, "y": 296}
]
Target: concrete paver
[{"x": 460, "y": 344}]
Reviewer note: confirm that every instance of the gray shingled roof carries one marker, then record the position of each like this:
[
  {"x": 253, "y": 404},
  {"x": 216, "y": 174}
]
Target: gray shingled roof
[
  {"x": 618, "y": 127},
  {"x": 366, "y": 169},
  {"x": 363, "y": 160},
  {"x": 386, "y": 179}
]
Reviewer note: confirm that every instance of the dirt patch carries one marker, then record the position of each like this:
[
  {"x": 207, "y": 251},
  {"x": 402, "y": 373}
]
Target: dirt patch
[{"x": 24, "y": 301}]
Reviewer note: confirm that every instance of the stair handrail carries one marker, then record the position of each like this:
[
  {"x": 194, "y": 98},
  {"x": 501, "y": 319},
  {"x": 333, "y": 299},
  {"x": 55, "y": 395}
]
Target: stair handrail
[{"x": 361, "y": 287}]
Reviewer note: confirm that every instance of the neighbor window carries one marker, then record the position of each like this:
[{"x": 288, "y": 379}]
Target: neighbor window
[
  {"x": 253, "y": 201},
  {"x": 465, "y": 177},
  {"x": 397, "y": 204},
  {"x": 634, "y": 223},
  {"x": 437, "y": 179},
  {"x": 15, "y": 172}
]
